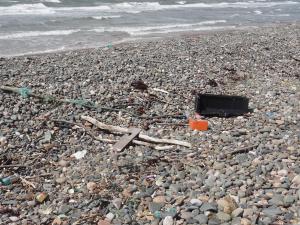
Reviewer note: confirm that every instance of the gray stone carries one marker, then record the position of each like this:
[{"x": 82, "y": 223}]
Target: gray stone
[
  {"x": 196, "y": 202},
  {"x": 276, "y": 200},
  {"x": 209, "y": 207},
  {"x": 127, "y": 219},
  {"x": 174, "y": 188},
  {"x": 272, "y": 211},
  {"x": 214, "y": 221},
  {"x": 202, "y": 219},
  {"x": 60, "y": 180},
  {"x": 223, "y": 217},
  {"x": 64, "y": 209},
  {"x": 237, "y": 212},
  {"x": 153, "y": 206},
  {"x": 248, "y": 212},
  {"x": 236, "y": 221},
  {"x": 186, "y": 215},
  {"x": 289, "y": 200},
  {"x": 110, "y": 216},
  {"x": 265, "y": 221},
  {"x": 168, "y": 220},
  {"x": 117, "y": 202},
  {"x": 296, "y": 180}
]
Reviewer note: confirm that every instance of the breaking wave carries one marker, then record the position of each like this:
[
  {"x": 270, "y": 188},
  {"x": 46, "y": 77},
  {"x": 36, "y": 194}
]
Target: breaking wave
[
  {"x": 140, "y": 31},
  {"x": 37, "y": 33},
  {"x": 132, "y": 7}
]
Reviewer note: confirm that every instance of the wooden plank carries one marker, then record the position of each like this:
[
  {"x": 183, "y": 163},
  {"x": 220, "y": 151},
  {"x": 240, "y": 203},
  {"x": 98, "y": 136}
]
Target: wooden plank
[{"x": 126, "y": 139}]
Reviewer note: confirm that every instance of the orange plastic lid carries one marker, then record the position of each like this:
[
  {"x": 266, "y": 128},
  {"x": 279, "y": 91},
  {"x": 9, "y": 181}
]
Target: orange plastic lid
[{"x": 198, "y": 124}]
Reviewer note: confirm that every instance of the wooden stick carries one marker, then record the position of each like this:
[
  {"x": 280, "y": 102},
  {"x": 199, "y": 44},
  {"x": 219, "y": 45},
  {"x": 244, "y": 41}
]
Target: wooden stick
[
  {"x": 28, "y": 183},
  {"x": 160, "y": 90},
  {"x": 117, "y": 129},
  {"x": 160, "y": 148},
  {"x": 9, "y": 166},
  {"x": 243, "y": 150}
]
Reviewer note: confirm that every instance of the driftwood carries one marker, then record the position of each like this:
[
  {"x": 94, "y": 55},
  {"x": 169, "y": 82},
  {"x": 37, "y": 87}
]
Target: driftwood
[
  {"x": 117, "y": 129},
  {"x": 243, "y": 150},
  {"x": 12, "y": 166},
  {"x": 110, "y": 141}
]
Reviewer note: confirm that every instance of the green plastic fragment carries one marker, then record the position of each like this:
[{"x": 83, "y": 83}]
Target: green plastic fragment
[
  {"x": 157, "y": 214},
  {"x": 25, "y": 92},
  {"x": 6, "y": 181}
]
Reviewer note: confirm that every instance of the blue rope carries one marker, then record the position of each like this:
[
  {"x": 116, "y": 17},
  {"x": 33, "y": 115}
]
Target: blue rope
[{"x": 83, "y": 102}]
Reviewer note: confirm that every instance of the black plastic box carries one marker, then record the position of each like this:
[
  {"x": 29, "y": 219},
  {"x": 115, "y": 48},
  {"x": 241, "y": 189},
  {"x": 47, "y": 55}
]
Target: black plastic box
[{"x": 221, "y": 105}]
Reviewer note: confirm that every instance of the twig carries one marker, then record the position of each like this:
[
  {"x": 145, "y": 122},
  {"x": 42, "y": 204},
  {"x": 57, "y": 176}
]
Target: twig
[
  {"x": 295, "y": 58},
  {"x": 110, "y": 141},
  {"x": 26, "y": 182},
  {"x": 243, "y": 150},
  {"x": 13, "y": 165},
  {"x": 160, "y": 148},
  {"x": 164, "y": 116},
  {"x": 160, "y": 90},
  {"x": 116, "y": 129},
  {"x": 172, "y": 124}
]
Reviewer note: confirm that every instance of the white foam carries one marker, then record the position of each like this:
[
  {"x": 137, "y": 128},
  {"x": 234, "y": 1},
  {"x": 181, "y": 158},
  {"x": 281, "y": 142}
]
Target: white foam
[
  {"x": 181, "y": 2},
  {"x": 137, "y": 7},
  {"x": 132, "y": 7},
  {"x": 24, "y": 9},
  {"x": 105, "y": 17},
  {"x": 20, "y": 35},
  {"x": 52, "y": 1},
  {"x": 258, "y": 12},
  {"x": 139, "y": 31}
]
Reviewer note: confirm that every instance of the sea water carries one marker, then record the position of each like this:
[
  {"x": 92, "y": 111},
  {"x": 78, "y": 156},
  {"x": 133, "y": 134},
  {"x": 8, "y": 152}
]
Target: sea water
[{"x": 37, "y": 26}]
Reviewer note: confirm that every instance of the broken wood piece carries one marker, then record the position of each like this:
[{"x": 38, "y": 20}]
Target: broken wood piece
[
  {"x": 144, "y": 137},
  {"x": 160, "y": 90},
  {"x": 243, "y": 150},
  {"x": 10, "y": 166},
  {"x": 126, "y": 139}
]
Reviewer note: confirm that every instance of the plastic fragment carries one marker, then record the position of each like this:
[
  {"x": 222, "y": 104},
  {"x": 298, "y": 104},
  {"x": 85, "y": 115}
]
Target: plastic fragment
[
  {"x": 40, "y": 198},
  {"x": 198, "y": 124},
  {"x": 25, "y": 92},
  {"x": 79, "y": 154}
]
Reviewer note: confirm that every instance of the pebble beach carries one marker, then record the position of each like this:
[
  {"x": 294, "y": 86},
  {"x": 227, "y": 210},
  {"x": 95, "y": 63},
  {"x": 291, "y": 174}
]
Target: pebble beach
[{"x": 65, "y": 175}]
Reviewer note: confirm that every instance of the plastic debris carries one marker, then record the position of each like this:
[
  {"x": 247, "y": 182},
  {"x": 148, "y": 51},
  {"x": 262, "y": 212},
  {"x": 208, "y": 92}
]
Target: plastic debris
[
  {"x": 8, "y": 180},
  {"x": 196, "y": 124},
  {"x": 79, "y": 154},
  {"x": 221, "y": 105},
  {"x": 42, "y": 197},
  {"x": 25, "y": 92},
  {"x": 47, "y": 136}
]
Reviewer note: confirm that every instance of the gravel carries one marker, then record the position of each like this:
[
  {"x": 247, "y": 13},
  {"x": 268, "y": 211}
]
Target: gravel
[{"x": 205, "y": 184}]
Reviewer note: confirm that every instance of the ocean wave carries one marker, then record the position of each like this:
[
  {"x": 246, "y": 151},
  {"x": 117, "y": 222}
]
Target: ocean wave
[
  {"x": 105, "y": 17},
  {"x": 51, "y": 1},
  {"x": 24, "y": 9},
  {"x": 37, "y": 33},
  {"x": 135, "y": 7},
  {"x": 131, "y": 7},
  {"x": 139, "y": 31}
]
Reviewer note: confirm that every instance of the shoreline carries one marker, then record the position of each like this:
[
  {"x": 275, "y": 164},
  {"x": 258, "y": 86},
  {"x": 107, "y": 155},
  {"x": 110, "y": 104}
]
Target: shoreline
[
  {"x": 155, "y": 184},
  {"x": 173, "y": 35}
]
